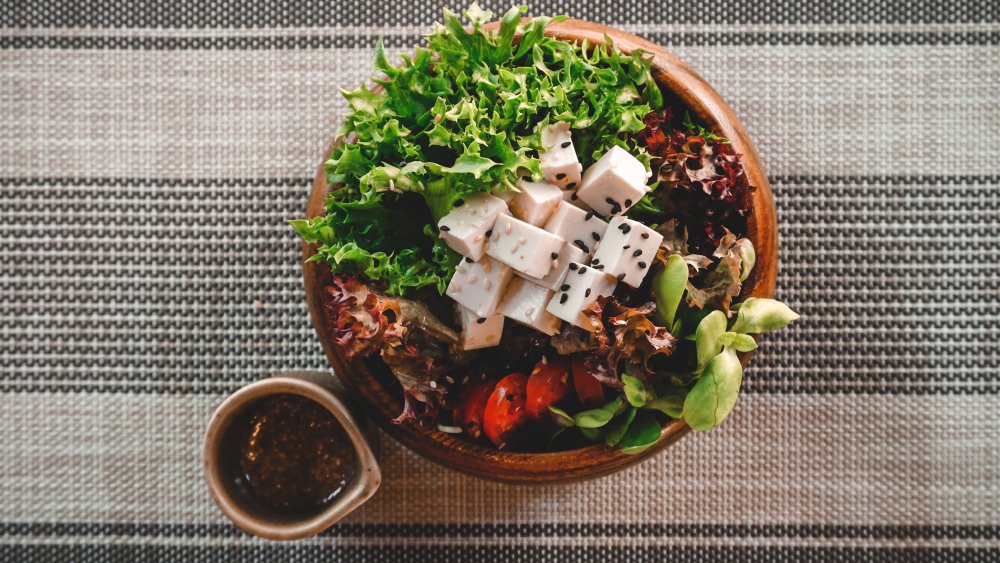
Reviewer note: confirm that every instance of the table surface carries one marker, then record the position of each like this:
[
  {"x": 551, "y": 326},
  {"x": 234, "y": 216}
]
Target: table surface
[{"x": 149, "y": 158}]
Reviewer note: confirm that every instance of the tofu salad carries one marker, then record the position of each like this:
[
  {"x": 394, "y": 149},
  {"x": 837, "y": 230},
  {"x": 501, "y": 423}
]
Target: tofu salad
[{"x": 534, "y": 245}]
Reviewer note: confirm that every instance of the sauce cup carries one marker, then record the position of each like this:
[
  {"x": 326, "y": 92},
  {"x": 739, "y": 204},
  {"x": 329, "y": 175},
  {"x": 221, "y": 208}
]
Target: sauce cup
[{"x": 221, "y": 458}]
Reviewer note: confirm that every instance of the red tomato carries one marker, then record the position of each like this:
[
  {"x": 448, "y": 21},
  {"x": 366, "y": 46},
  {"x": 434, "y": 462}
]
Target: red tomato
[
  {"x": 471, "y": 407},
  {"x": 589, "y": 390},
  {"x": 547, "y": 386},
  {"x": 505, "y": 414}
]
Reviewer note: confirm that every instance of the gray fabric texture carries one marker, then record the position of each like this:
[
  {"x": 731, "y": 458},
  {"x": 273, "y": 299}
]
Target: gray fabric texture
[{"x": 151, "y": 154}]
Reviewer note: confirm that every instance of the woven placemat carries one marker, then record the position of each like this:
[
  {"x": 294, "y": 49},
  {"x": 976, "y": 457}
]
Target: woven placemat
[{"x": 150, "y": 155}]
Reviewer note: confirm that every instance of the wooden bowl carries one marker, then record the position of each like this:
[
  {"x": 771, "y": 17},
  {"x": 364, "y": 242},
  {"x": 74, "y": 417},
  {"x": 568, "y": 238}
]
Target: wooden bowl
[{"x": 678, "y": 82}]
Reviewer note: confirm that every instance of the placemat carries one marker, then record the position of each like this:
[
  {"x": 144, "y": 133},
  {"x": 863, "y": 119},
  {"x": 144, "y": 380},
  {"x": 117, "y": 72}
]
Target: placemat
[{"x": 151, "y": 152}]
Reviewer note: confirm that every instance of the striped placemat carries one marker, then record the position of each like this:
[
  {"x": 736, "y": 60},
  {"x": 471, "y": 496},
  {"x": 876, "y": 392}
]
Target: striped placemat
[{"x": 150, "y": 154}]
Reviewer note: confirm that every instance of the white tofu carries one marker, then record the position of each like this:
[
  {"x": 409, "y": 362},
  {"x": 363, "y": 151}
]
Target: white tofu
[
  {"x": 558, "y": 157},
  {"x": 560, "y": 265},
  {"x": 522, "y": 246},
  {"x": 464, "y": 228},
  {"x": 581, "y": 287},
  {"x": 480, "y": 332},
  {"x": 627, "y": 250},
  {"x": 615, "y": 183},
  {"x": 478, "y": 286},
  {"x": 525, "y": 303},
  {"x": 580, "y": 228},
  {"x": 535, "y": 201}
]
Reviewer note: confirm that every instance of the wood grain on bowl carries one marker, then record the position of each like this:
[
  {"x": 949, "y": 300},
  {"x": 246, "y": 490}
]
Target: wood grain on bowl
[{"x": 678, "y": 82}]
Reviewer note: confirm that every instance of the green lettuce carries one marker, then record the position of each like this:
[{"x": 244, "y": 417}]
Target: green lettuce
[{"x": 459, "y": 116}]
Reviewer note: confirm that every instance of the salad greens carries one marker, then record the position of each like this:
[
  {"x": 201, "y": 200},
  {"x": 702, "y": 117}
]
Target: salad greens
[
  {"x": 463, "y": 115},
  {"x": 702, "y": 390},
  {"x": 459, "y": 116}
]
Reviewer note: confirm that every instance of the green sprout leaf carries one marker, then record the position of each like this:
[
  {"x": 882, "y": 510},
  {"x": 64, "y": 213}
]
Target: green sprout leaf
[
  {"x": 757, "y": 315},
  {"x": 642, "y": 433},
  {"x": 668, "y": 288},
  {"x": 671, "y": 404},
  {"x": 714, "y": 394},
  {"x": 706, "y": 338},
  {"x": 561, "y": 417},
  {"x": 615, "y": 431},
  {"x": 748, "y": 257},
  {"x": 740, "y": 342},
  {"x": 636, "y": 391},
  {"x": 596, "y": 418}
]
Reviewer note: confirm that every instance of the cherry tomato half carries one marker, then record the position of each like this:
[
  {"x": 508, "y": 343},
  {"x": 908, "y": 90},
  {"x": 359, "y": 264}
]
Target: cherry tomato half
[
  {"x": 471, "y": 407},
  {"x": 547, "y": 386},
  {"x": 505, "y": 415},
  {"x": 589, "y": 390}
]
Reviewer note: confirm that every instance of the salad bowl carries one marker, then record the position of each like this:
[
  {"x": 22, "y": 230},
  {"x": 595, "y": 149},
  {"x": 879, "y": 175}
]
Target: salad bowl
[{"x": 383, "y": 403}]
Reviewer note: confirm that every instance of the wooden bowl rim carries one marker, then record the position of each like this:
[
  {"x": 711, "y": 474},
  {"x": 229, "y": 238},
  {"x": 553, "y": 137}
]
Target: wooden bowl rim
[{"x": 679, "y": 82}]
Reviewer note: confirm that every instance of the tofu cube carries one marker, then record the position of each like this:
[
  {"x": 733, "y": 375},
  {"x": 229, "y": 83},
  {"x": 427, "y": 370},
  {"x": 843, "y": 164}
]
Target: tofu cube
[
  {"x": 560, "y": 266},
  {"x": 479, "y": 285},
  {"x": 580, "y": 228},
  {"x": 480, "y": 332},
  {"x": 464, "y": 228},
  {"x": 615, "y": 183},
  {"x": 525, "y": 303},
  {"x": 627, "y": 250},
  {"x": 558, "y": 157},
  {"x": 522, "y": 246},
  {"x": 581, "y": 287},
  {"x": 535, "y": 201}
]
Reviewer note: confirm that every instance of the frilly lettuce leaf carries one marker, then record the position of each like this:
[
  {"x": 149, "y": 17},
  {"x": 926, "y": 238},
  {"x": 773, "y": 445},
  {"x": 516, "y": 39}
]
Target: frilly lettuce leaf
[{"x": 458, "y": 116}]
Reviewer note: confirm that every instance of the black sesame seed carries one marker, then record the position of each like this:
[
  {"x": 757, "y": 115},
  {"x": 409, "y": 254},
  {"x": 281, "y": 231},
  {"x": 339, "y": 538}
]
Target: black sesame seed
[
  {"x": 590, "y": 215},
  {"x": 573, "y": 266},
  {"x": 626, "y": 247},
  {"x": 597, "y": 266},
  {"x": 459, "y": 202},
  {"x": 628, "y": 203},
  {"x": 583, "y": 269},
  {"x": 595, "y": 261},
  {"x": 621, "y": 277},
  {"x": 615, "y": 209},
  {"x": 638, "y": 252},
  {"x": 554, "y": 255},
  {"x": 644, "y": 235},
  {"x": 625, "y": 227},
  {"x": 560, "y": 176},
  {"x": 563, "y": 298},
  {"x": 582, "y": 246},
  {"x": 574, "y": 197},
  {"x": 570, "y": 185},
  {"x": 445, "y": 228},
  {"x": 596, "y": 236},
  {"x": 609, "y": 201},
  {"x": 642, "y": 264},
  {"x": 489, "y": 233},
  {"x": 587, "y": 293},
  {"x": 468, "y": 260},
  {"x": 566, "y": 144},
  {"x": 480, "y": 321},
  {"x": 564, "y": 287}
]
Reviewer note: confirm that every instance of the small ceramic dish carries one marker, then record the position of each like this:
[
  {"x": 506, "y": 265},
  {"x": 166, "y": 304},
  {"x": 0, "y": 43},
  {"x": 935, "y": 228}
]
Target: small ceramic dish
[
  {"x": 221, "y": 457},
  {"x": 682, "y": 85}
]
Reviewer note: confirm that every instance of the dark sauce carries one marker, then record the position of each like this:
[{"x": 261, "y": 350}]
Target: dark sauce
[{"x": 294, "y": 455}]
